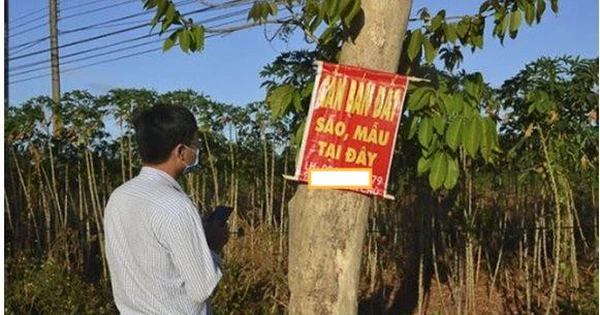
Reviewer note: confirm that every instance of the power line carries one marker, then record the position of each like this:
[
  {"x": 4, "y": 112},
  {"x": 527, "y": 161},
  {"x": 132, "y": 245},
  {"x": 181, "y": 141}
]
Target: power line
[
  {"x": 28, "y": 45},
  {"x": 95, "y": 49},
  {"x": 89, "y": 57},
  {"x": 80, "y": 41},
  {"x": 97, "y": 9},
  {"x": 22, "y": 16},
  {"x": 81, "y": 5},
  {"x": 84, "y": 51},
  {"x": 182, "y": 3},
  {"x": 36, "y": 18},
  {"x": 224, "y": 5},
  {"x": 43, "y": 15},
  {"x": 119, "y": 19},
  {"x": 100, "y": 62},
  {"x": 28, "y": 30},
  {"x": 221, "y": 17}
]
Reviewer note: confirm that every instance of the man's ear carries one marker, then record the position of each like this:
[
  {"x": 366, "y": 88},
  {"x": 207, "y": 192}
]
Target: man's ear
[{"x": 178, "y": 151}]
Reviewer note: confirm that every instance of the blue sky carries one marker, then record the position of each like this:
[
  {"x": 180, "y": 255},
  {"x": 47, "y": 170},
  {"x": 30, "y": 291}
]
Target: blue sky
[{"x": 227, "y": 70}]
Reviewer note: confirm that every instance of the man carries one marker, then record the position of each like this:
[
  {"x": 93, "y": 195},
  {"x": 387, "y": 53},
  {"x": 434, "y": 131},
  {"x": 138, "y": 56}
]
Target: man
[{"x": 161, "y": 258}]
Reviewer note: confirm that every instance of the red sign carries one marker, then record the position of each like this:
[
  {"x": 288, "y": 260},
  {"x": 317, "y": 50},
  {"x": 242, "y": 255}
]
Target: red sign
[{"x": 352, "y": 122}]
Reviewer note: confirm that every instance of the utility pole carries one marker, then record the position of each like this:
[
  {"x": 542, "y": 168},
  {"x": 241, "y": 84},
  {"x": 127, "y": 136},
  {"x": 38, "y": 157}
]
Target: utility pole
[
  {"x": 6, "y": 99},
  {"x": 54, "y": 64}
]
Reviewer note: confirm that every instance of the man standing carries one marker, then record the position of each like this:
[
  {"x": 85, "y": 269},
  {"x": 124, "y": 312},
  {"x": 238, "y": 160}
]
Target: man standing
[{"x": 161, "y": 258}]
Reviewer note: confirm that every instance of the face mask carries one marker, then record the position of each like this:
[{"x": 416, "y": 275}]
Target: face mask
[{"x": 192, "y": 167}]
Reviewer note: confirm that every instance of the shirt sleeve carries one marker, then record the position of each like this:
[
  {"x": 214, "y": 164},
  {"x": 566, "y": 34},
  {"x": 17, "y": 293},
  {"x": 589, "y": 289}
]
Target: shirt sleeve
[{"x": 198, "y": 265}]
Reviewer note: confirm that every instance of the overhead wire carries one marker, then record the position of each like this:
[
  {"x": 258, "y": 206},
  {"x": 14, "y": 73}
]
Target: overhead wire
[
  {"x": 28, "y": 30},
  {"x": 138, "y": 53},
  {"x": 28, "y": 45},
  {"x": 77, "y": 42},
  {"x": 60, "y": 10},
  {"x": 95, "y": 49},
  {"x": 19, "y": 25},
  {"x": 96, "y": 10},
  {"x": 119, "y": 19},
  {"x": 99, "y": 62},
  {"x": 22, "y": 16},
  {"x": 181, "y": 3}
]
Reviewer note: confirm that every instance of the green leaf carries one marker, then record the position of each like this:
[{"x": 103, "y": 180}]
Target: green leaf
[
  {"x": 452, "y": 173},
  {"x": 198, "y": 35},
  {"x": 149, "y": 4},
  {"x": 329, "y": 7},
  {"x": 423, "y": 165},
  {"x": 170, "y": 42},
  {"x": 419, "y": 98},
  {"x": 297, "y": 100},
  {"x": 254, "y": 12},
  {"x": 486, "y": 140},
  {"x": 350, "y": 14},
  {"x": 165, "y": 25},
  {"x": 453, "y": 133},
  {"x": 279, "y": 100},
  {"x": 265, "y": 8},
  {"x": 413, "y": 127},
  {"x": 438, "y": 20},
  {"x": 478, "y": 41},
  {"x": 439, "y": 170},
  {"x": 554, "y": 5},
  {"x": 434, "y": 147},
  {"x": 450, "y": 32},
  {"x": 170, "y": 15},
  {"x": 342, "y": 5},
  {"x": 472, "y": 136},
  {"x": 299, "y": 133},
  {"x": 502, "y": 21},
  {"x": 273, "y": 9},
  {"x": 484, "y": 6},
  {"x": 515, "y": 22},
  {"x": 472, "y": 89},
  {"x": 459, "y": 103},
  {"x": 462, "y": 28},
  {"x": 494, "y": 132},
  {"x": 439, "y": 124},
  {"x": 162, "y": 8},
  {"x": 529, "y": 13},
  {"x": 425, "y": 132},
  {"x": 540, "y": 9},
  {"x": 451, "y": 103},
  {"x": 532, "y": 107},
  {"x": 430, "y": 51},
  {"x": 414, "y": 44},
  {"x": 184, "y": 40},
  {"x": 446, "y": 100},
  {"x": 308, "y": 89}
]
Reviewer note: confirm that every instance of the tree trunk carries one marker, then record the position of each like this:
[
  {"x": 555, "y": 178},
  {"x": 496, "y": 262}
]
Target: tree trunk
[{"x": 327, "y": 227}]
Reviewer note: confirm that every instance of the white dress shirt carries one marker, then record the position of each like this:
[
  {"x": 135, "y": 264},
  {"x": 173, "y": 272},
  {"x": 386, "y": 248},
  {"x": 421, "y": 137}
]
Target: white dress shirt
[{"x": 157, "y": 254}]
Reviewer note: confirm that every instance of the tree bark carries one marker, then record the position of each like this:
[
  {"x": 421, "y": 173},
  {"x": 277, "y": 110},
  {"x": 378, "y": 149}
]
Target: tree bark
[{"x": 327, "y": 227}]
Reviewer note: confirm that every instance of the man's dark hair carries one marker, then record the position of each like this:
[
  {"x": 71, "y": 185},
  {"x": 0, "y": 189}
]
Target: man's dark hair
[{"x": 159, "y": 129}]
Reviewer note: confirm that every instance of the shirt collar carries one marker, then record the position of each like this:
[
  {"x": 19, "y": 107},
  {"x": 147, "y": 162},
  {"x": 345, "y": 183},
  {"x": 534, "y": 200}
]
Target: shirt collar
[{"x": 162, "y": 176}]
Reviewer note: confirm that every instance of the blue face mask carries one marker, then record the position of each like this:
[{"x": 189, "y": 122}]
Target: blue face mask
[{"x": 192, "y": 167}]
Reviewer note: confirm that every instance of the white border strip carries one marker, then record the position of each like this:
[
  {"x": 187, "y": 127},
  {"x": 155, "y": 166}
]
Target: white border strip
[{"x": 340, "y": 178}]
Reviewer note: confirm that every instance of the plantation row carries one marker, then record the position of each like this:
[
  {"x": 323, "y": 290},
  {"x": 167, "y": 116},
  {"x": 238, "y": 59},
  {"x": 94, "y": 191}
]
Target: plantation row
[{"x": 516, "y": 231}]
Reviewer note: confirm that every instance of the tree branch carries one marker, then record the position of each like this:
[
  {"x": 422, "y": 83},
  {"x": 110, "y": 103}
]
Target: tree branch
[{"x": 231, "y": 29}]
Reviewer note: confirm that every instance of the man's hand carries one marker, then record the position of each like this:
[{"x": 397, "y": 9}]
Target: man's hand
[{"x": 217, "y": 235}]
